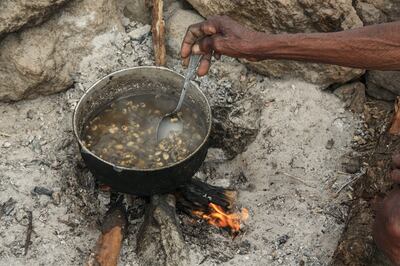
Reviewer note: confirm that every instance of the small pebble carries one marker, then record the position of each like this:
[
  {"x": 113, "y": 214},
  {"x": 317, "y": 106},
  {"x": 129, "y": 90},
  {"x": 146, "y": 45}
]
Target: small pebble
[
  {"x": 30, "y": 114},
  {"x": 56, "y": 196},
  {"x": 6, "y": 144}
]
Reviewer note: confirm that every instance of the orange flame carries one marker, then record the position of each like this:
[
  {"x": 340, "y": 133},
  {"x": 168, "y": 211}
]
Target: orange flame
[{"x": 219, "y": 218}]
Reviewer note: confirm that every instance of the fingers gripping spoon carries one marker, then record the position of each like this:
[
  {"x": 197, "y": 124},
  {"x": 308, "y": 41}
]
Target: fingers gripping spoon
[{"x": 171, "y": 122}]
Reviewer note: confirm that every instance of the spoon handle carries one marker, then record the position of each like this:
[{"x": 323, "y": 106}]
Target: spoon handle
[{"x": 193, "y": 63}]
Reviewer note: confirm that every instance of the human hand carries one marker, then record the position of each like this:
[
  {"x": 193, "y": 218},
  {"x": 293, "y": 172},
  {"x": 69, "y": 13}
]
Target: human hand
[
  {"x": 219, "y": 35},
  {"x": 387, "y": 221}
]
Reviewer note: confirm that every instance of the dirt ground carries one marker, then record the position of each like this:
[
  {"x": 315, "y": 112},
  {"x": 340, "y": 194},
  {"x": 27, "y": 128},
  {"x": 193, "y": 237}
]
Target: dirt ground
[
  {"x": 287, "y": 178},
  {"x": 281, "y": 144}
]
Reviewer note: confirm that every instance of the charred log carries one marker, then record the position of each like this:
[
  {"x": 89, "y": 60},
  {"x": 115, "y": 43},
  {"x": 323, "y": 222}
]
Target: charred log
[
  {"x": 197, "y": 196},
  {"x": 160, "y": 240}
]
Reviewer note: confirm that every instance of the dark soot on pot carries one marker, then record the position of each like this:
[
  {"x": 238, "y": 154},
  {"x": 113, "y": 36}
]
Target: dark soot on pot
[{"x": 124, "y": 132}]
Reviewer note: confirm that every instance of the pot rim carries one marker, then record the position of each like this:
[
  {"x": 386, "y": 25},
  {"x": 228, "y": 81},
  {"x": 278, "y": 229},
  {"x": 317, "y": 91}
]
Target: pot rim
[{"x": 122, "y": 168}]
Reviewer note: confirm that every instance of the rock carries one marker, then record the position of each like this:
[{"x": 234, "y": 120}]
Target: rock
[
  {"x": 329, "y": 144},
  {"x": 56, "y": 49},
  {"x": 315, "y": 73},
  {"x": 176, "y": 27},
  {"x": 236, "y": 108},
  {"x": 6, "y": 145},
  {"x": 30, "y": 114},
  {"x": 351, "y": 165},
  {"x": 138, "y": 10},
  {"x": 383, "y": 85},
  {"x": 56, "y": 196},
  {"x": 353, "y": 95},
  {"x": 374, "y": 12},
  {"x": 15, "y": 14},
  {"x": 282, "y": 240},
  {"x": 380, "y": 85},
  {"x": 244, "y": 247},
  {"x": 139, "y": 33},
  {"x": 275, "y": 16}
]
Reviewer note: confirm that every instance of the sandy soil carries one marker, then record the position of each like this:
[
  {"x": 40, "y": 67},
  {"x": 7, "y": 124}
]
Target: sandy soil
[{"x": 287, "y": 176}]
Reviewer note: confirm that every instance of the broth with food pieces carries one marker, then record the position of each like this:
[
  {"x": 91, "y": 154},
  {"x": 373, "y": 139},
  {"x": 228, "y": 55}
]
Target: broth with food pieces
[{"x": 124, "y": 132}]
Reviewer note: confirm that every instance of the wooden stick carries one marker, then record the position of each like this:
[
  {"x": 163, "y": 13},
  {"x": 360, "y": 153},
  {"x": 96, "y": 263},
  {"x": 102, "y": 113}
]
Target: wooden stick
[
  {"x": 28, "y": 233},
  {"x": 5, "y": 134},
  {"x": 109, "y": 243},
  {"x": 298, "y": 179},
  {"x": 395, "y": 127},
  {"x": 158, "y": 32}
]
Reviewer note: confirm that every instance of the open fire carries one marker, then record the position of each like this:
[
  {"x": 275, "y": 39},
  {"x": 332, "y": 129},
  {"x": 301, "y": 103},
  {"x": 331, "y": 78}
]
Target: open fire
[
  {"x": 218, "y": 217},
  {"x": 214, "y": 204}
]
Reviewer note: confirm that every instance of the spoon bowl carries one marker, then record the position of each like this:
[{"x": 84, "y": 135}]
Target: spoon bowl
[
  {"x": 168, "y": 124},
  {"x": 171, "y": 122}
]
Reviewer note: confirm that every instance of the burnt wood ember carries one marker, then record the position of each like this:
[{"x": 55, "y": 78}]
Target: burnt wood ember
[
  {"x": 197, "y": 195},
  {"x": 160, "y": 240},
  {"x": 109, "y": 244}
]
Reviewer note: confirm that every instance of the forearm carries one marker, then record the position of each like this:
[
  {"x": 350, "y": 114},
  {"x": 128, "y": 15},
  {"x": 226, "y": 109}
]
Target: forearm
[{"x": 372, "y": 47}]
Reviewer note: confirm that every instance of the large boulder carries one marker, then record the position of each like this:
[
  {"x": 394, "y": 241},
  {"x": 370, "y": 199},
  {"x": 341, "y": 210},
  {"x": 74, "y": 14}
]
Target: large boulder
[
  {"x": 176, "y": 26},
  {"x": 137, "y": 10},
  {"x": 56, "y": 49},
  {"x": 15, "y": 14},
  {"x": 383, "y": 85},
  {"x": 378, "y": 11},
  {"x": 276, "y": 16}
]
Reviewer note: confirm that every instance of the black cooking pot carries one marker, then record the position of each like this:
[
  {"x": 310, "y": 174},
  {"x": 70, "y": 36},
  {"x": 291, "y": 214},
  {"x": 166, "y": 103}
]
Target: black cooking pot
[{"x": 136, "y": 81}]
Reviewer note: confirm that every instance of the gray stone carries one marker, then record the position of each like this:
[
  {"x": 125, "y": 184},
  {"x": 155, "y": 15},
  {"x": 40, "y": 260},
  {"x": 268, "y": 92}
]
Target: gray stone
[
  {"x": 275, "y": 16},
  {"x": 15, "y": 14},
  {"x": 56, "y": 49},
  {"x": 137, "y": 10},
  {"x": 378, "y": 11},
  {"x": 353, "y": 94},
  {"x": 383, "y": 85},
  {"x": 140, "y": 32},
  {"x": 236, "y": 121},
  {"x": 176, "y": 27},
  {"x": 315, "y": 73},
  {"x": 380, "y": 85}
]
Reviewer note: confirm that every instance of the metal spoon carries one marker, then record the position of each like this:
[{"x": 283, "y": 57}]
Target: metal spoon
[{"x": 171, "y": 122}]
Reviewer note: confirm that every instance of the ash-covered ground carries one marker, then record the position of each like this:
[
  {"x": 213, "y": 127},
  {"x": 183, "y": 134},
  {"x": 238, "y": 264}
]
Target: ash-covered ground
[{"x": 279, "y": 143}]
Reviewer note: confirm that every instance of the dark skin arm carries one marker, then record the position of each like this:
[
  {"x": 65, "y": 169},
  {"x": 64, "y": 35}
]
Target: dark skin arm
[{"x": 375, "y": 47}]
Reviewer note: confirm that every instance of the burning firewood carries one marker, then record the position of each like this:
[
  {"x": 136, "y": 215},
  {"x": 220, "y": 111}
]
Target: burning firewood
[
  {"x": 109, "y": 243},
  {"x": 211, "y": 203},
  {"x": 216, "y": 216},
  {"x": 159, "y": 240},
  {"x": 158, "y": 32},
  {"x": 198, "y": 195},
  {"x": 395, "y": 128}
]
